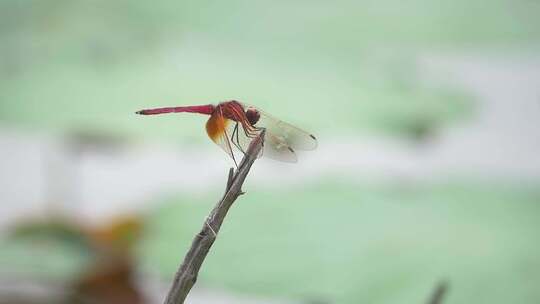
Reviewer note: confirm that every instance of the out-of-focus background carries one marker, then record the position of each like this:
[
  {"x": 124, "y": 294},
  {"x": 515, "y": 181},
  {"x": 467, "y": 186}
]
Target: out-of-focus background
[{"x": 428, "y": 166}]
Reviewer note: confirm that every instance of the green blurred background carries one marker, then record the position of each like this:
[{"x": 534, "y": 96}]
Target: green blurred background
[{"x": 427, "y": 169}]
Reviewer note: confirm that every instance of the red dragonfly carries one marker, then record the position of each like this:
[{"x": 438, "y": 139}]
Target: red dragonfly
[{"x": 232, "y": 125}]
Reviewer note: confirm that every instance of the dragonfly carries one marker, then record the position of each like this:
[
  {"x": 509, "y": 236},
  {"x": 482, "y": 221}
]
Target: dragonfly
[{"x": 233, "y": 125}]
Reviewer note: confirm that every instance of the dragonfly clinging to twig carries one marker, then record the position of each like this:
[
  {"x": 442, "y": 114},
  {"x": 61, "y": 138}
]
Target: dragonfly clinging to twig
[{"x": 232, "y": 125}]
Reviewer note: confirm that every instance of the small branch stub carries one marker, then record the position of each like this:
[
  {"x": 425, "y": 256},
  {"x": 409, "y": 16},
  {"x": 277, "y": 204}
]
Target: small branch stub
[{"x": 186, "y": 276}]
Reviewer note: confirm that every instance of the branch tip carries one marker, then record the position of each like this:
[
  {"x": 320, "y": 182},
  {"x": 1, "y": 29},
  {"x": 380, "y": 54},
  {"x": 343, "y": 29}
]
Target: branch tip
[{"x": 187, "y": 273}]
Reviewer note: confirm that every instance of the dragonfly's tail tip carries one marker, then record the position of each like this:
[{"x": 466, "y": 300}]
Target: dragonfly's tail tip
[{"x": 141, "y": 112}]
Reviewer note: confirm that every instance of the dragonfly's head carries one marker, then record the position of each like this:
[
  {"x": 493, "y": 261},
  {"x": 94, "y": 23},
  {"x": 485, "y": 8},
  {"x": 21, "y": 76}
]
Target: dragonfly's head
[{"x": 253, "y": 116}]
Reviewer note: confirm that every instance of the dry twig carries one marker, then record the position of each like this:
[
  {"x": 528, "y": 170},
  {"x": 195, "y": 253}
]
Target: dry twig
[{"x": 186, "y": 276}]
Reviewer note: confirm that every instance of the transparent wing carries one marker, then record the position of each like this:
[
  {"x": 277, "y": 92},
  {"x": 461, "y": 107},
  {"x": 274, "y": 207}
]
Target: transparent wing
[
  {"x": 276, "y": 148},
  {"x": 273, "y": 148},
  {"x": 286, "y": 133}
]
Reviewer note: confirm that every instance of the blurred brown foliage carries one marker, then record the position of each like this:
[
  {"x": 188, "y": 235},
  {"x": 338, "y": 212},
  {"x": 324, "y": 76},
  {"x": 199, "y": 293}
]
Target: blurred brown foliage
[{"x": 110, "y": 276}]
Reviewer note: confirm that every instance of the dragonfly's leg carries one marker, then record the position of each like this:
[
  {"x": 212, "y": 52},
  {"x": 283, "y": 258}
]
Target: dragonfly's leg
[
  {"x": 233, "y": 158},
  {"x": 230, "y": 149},
  {"x": 229, "y": 142},
  {"x": 235, "y": 130},
  {"x": 248, "y": 134},
  {"x": 236, "y": 140}
]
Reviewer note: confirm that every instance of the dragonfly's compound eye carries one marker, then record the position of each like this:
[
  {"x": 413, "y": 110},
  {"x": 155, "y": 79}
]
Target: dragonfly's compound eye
[{"x": 253, "y": 116}]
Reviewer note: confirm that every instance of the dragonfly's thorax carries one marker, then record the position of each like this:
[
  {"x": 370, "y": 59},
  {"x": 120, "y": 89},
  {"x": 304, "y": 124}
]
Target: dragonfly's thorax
[{"x": 235, "y": 111}]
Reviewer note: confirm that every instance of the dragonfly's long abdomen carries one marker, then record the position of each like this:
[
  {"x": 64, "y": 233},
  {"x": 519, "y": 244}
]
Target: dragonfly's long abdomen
[{"x": 204, "y": 109}]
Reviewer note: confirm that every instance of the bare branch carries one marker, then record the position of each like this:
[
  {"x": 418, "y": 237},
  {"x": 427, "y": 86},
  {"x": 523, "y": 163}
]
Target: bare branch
[{"x": 186, "y": 276}]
